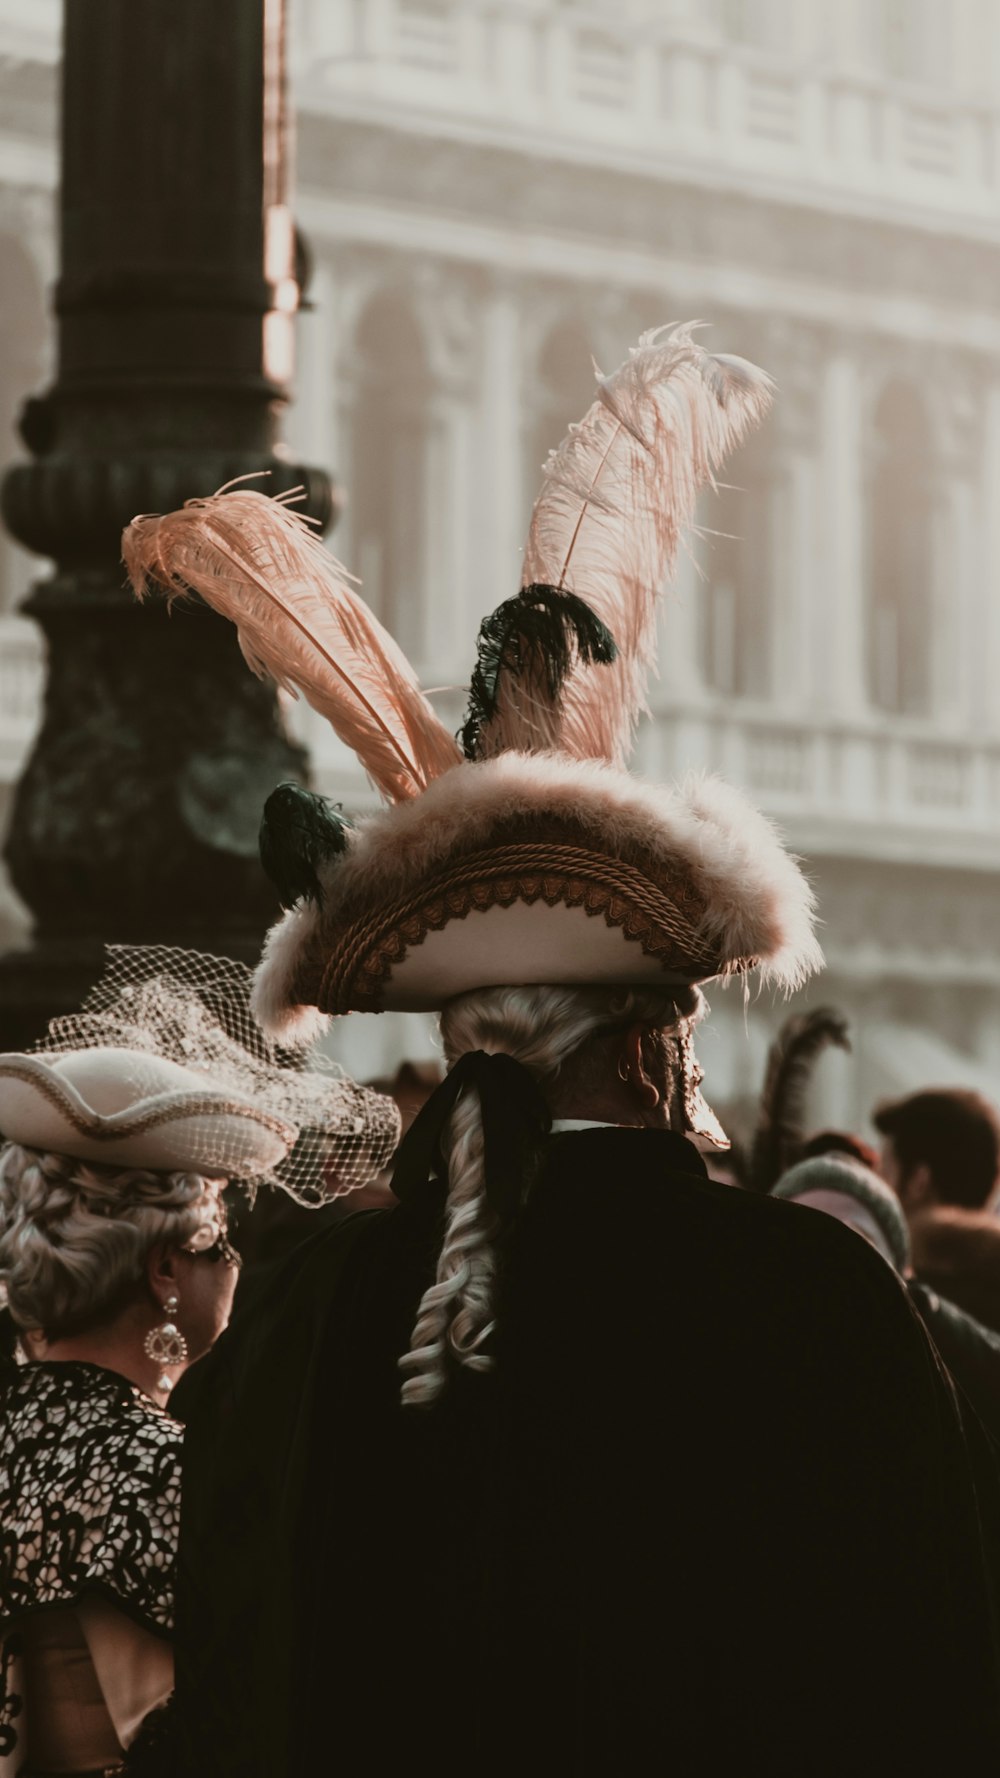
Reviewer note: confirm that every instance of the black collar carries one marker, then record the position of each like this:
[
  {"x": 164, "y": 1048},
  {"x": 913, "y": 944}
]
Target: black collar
[{"x": 677, "y": 1153}]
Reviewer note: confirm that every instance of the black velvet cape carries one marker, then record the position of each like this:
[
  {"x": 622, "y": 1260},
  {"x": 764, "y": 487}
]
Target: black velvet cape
[{"x": 714, "y": 1511}]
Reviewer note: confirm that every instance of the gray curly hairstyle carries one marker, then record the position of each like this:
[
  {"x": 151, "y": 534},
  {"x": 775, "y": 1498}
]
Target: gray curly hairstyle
[
  {"x": 74, "y": 1234},
  {"x": 543, "y": 1028}
]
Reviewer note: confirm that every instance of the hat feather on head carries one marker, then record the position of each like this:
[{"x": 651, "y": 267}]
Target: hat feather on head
[
  {"x": 300, "y": 622},
  {"x": 617, "y": 497},
  {"x": 537, "y": 852}
]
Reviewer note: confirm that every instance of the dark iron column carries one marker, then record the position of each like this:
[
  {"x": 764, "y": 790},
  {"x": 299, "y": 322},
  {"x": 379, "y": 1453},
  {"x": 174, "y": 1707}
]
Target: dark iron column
[{"x": 137, "y": 814}]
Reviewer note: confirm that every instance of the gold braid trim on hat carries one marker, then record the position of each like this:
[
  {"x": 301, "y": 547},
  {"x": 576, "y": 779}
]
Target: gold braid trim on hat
[
  {"x": 647, "y": 911},
  {"x": 95, "y": 1125}
]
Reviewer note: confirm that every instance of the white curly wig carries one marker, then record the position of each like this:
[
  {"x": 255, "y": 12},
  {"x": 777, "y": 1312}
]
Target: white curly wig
[{"x": 74, "y": 1235}]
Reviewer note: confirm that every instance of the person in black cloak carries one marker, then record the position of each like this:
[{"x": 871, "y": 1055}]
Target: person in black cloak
[{"x": 574, "y": 1462}]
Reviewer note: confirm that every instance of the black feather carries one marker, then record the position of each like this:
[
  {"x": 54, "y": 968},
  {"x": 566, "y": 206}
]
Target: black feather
[
  {"x": 790, "y": 1063},
  {"x": 299, "y": 831},
  {"x": 542, "y": 627}
]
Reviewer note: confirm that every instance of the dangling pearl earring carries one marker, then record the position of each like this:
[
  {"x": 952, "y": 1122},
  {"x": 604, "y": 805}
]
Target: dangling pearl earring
[{"x": 166, "y": 1345}]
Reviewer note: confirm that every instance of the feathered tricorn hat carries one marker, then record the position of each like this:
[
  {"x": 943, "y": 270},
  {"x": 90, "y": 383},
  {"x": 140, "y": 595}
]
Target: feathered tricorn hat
[{"x": 529, "y": 854}]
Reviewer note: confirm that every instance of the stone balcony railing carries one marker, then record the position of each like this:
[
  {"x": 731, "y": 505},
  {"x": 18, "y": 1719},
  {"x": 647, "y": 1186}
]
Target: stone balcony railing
[
  {"x": 864, "y": 785},
  {"x": 884, "y": 788},
  {"x": 869, "y": 785},
  {"x": 640, "y": 86},
  {"x": 649, "y": 84}
]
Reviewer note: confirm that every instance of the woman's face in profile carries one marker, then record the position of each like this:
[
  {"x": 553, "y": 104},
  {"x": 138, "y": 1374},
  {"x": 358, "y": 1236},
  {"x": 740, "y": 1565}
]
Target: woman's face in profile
[{"x": 206, "y": 1286}]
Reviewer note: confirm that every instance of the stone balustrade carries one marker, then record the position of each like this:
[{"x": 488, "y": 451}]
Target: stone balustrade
[
  {"x": 654, "y": 88},
  {"x": 651, "y": 83},
  {"x": 886, "y": 786},
  {"x": 870, "y": 785}
]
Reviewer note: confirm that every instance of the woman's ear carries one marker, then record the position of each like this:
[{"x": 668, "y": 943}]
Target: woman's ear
[
  {"x": 637, "y": 1073},
  {"x": 161, "y": 1271}
]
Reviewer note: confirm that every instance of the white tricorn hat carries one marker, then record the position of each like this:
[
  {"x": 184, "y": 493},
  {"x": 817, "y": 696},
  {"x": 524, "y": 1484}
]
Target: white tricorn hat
[
  {"x": 127, "y": 1108},
  {"x": 536, "y": 857},
  {"x": 164, "y": 1068},
  {"x": 531, "y": 868}
]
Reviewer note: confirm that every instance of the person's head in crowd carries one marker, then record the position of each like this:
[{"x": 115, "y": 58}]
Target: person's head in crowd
[
  {"x": 93, "y": 1257},
  {"x": 952, "y": 1297},
  {"x": 840, "y": 1142},
  {"x": 114, "y": 1160},
  {"x": 941, "y": 1146},
  {"x": 845, "y": 1188}
]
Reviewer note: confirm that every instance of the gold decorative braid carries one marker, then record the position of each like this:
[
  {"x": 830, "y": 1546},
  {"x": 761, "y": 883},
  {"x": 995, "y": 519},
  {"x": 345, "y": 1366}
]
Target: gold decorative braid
[
  {"x": 625, "y": 895},
  {"x": 94, "y": 1125}
]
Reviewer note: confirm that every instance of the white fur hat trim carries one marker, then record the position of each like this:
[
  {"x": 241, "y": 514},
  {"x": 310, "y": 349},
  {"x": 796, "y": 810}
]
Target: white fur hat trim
[{"x": 679, "y": 883}]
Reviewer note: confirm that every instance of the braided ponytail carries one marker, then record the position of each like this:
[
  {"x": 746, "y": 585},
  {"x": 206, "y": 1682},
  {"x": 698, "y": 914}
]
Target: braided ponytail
[
  {"x": 542, "y": 1028},
  {"x": 456, "y": 1311}
]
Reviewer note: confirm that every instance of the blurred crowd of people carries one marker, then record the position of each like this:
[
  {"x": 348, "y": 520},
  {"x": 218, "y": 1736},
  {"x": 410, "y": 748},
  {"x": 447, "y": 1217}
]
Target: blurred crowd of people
[{"x": 927, "y": 1199}]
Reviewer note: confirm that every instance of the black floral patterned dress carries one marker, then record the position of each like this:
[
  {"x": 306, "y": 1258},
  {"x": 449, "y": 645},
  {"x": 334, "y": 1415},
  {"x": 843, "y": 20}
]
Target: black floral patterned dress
[{"x": 89, "y": 1504}]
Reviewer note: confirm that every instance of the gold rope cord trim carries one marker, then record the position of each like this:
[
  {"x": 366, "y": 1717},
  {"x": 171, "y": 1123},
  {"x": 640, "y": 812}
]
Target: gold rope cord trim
[
  {"x": 373, "y": 945},
  {"x": 95, "y": 1126}
]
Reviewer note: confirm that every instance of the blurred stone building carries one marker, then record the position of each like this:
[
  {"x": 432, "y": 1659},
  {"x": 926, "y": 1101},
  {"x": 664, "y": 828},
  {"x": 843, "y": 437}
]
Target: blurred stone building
[{"x": 495, "y": 193}]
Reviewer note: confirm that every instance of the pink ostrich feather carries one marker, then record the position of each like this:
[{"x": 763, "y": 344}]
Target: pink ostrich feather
[
  {"x": 300, "y": 622},
  {"x": 617, "y": 498}
]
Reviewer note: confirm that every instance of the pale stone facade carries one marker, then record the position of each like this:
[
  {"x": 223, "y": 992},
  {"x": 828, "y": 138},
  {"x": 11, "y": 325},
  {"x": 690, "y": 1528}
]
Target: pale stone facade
[{"x": 496, "y": 190}]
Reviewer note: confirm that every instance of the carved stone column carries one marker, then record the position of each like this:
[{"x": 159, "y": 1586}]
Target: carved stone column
[
  {"x": 443, "y": 631},
  {"x": 136, "y": 816},
  {"x": 792, "y": 352},
  {"x": 987, "y": 610},
  {"x": 840, "y": 639},
  {"x": 501, "y": 514},
  {"x": 959, "y": 627}
]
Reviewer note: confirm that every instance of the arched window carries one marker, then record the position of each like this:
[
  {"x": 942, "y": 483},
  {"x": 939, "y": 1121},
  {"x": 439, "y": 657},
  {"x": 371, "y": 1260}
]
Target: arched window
[
  {"x": 736, "y": 555},
  {"x": 389, "y": 495},
  {"x": 900, "y": 556},
  {"x": 565, "y": 388}
]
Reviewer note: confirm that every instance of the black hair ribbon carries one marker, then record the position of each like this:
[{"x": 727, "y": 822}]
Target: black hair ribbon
[{"x": 516, "y": 1120}]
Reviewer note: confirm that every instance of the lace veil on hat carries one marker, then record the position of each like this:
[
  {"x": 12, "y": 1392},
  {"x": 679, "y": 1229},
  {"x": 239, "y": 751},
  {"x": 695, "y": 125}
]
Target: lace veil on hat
[{"x": 186, "y": 1056}]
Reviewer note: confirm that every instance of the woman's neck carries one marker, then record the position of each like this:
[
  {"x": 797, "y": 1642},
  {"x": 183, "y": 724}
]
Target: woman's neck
[{"x": 117, "y": 1347}]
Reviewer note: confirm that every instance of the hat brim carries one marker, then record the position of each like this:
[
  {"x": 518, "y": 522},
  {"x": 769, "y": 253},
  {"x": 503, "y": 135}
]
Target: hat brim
[
  {"x": 536, "y": 868},
  {"x": 195, "y": 1131},
  {"x": 501, "y": 945}
]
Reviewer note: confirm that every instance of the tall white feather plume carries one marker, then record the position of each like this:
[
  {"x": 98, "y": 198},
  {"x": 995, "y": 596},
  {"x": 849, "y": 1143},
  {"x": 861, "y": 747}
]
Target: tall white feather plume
[
  {"x": 299, "y": 622},
  {"x": 617, "y": 496}
]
